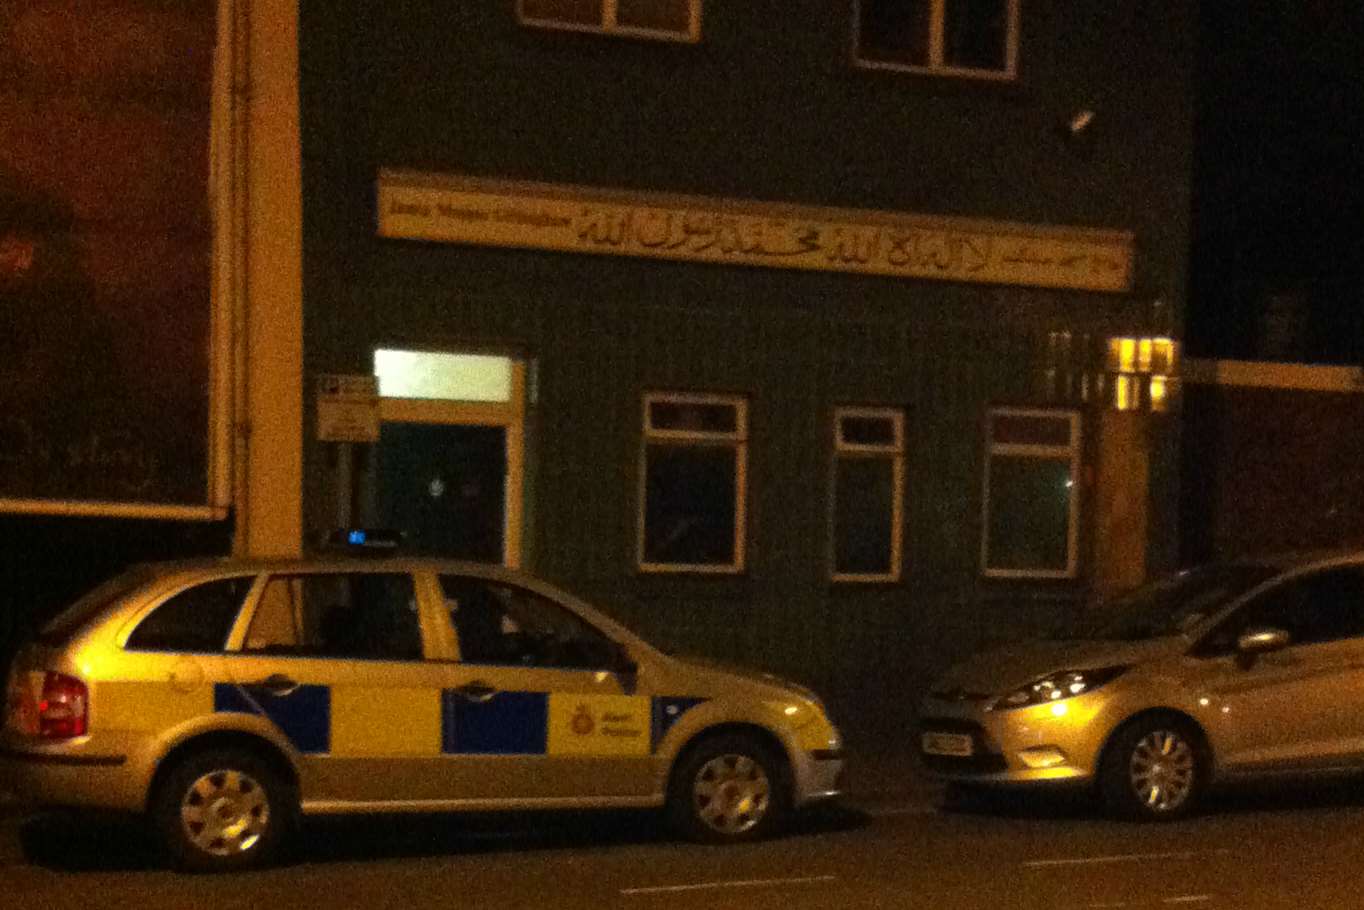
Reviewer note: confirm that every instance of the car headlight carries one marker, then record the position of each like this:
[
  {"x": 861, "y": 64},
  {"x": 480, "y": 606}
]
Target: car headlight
[{"x": 1056, "y": 686}]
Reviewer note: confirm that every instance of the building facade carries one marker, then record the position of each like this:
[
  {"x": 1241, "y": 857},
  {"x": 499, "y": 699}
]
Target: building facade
[
  {"x": 791, "y": 333},
  {"x": 837, "y": 339}
]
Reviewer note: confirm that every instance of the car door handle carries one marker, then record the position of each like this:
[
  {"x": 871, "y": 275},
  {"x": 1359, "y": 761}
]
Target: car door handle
[
  {"x": 477, "y": 692},
  {"x": 277, "y": 684}
]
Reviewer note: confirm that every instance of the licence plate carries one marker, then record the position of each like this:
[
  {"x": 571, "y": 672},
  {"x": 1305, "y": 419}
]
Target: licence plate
[{"x": 958, "y": 745}]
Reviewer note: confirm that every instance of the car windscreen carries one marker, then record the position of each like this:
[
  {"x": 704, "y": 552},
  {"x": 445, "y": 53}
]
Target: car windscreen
[
  {"x": 1170, "y": 605},
  {"x": 60, "y": 630}
]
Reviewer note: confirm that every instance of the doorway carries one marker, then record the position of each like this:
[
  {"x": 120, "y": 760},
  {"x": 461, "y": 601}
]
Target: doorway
[
  {"x": 445, "y": 487},
  {"x": 448, "y": 467}
]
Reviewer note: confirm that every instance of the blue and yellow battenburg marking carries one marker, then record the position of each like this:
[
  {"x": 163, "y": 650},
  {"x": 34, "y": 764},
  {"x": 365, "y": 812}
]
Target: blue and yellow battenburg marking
[{"x": 354, "y": 721}]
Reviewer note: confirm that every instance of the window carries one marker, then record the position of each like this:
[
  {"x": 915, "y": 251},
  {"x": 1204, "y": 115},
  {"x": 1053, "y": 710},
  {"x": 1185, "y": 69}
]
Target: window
[
  {"x": 1319, "y": 608},
  {"x": 365, "y": 615},
  {"x": 197, "y": 620},
  {"x": 868, "y": 493},
  {"x": 692, "y": 466},
  {"x": 974, "y": 38},
  {"x": 675, "y": 20},
  {"x": 1032, "y": 503},
  {"x": 504, "y": 625},
  {"x": 438, "y": 376}
]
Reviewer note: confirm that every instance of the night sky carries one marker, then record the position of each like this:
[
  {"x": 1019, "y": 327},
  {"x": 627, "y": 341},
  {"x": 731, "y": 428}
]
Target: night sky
[{"x": 1278, "y": 173}]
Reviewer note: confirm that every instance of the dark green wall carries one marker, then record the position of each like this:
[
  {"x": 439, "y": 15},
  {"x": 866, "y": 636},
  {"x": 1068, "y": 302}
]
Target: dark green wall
[{"x": 765, "y": 107}]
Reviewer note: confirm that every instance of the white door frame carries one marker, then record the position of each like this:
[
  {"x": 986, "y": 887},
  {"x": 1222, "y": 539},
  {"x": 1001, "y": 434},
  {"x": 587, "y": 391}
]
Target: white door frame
[{"x": 509, "y": 415}]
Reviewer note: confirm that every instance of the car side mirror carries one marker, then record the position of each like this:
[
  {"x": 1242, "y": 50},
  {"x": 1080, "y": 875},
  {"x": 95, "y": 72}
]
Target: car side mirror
[{"x": 1262, "y": 640}]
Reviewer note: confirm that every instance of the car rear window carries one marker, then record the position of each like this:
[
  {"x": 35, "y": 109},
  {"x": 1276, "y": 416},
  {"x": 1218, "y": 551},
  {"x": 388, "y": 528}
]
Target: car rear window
[
  {"x": 197, "y": 620},
  {"x": 62, "y": 628}
]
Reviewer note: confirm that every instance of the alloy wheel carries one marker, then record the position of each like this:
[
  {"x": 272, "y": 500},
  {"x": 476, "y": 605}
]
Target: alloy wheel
[
  {"x": 1161, "y": 770},
  {"x": 731, "y": 793},
  {"x": 225, "y": 813}
]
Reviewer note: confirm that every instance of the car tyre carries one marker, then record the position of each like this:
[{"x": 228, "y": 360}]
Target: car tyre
[
  {"x": 728, "y": 788},
  {"x": 1153, "y": 769},
  {"x": 223, "y": 811}
]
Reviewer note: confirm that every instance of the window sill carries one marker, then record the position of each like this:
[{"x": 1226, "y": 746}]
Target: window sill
[
  {"x": 938, "y": 72},
  {"x": 944, "y": 82}
]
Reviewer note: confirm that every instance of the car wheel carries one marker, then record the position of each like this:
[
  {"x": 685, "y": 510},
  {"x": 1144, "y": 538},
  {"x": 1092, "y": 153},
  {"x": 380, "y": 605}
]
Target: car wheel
[
  {"x": 729, "y": 788},
  {"x": 222, "y": 811},
  {"x": 1153, "y": 770}
]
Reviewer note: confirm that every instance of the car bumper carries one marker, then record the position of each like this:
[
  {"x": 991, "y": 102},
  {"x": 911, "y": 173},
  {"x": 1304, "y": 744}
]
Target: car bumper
[
  {"x": 819, "y": 776},
  {"x": 36, "y": 777},
  {"x": 1052, "y": 743}
]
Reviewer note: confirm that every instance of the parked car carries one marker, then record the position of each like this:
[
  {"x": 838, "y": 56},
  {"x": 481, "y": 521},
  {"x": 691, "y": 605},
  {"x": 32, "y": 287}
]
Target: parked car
[
  {"x": 1229, "y": 670},
  {"x": 223, "y": 699}
]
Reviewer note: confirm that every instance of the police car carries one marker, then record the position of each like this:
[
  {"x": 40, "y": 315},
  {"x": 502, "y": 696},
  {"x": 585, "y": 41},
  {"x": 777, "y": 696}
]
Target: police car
[{"x": 224, "y": 699}]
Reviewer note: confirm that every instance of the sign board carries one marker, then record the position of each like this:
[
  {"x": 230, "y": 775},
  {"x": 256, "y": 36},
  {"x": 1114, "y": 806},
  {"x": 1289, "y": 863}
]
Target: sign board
[
  {"x": 572, "y": 219},
  {"x": 347, "y": 408}
]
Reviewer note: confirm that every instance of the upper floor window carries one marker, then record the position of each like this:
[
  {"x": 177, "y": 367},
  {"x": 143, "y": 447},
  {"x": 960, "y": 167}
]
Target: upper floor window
[
  {"x": 973, "y": 38},
  {"x": 692, "y": 464},
  {"x": 670, "y": 20},
  {"x": 868, "y": 493},
  {"x": 1032, "y": 502}
]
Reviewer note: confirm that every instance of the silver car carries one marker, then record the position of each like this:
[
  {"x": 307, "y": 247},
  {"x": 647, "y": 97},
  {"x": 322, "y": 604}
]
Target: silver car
[
  {"x": 1229, "y": 670},
  {"x": 223, "y": 699}
]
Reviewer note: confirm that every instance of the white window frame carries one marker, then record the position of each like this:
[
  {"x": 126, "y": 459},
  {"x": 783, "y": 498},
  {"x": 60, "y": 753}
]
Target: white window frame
[
  {"x": 737, "y": 440},
  {"x": 1068, "y": 453},
  {"x": 937, "y": 47},
  {"x": 611, "y": 26},
  {"x": 894, "y": 452}
]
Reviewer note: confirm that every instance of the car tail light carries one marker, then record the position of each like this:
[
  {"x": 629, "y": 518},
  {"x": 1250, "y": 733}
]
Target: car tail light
[{"x": 63, "y": 709}]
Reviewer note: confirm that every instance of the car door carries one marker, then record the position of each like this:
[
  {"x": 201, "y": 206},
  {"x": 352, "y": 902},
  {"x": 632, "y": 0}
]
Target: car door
[
  {"x": 336, "y": 660},
  {"x": 1303, "y": 705},
  {"x": 538, "y": 706}
]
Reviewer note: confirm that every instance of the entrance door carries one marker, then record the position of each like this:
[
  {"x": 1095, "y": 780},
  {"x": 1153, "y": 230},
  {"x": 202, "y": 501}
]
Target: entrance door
[
  {"x": 448, "y": 467},
  {"x": 446, "y": 488}
]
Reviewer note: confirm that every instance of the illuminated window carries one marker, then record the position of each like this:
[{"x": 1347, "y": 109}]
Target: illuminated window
[
  {"x": 972, "y": 38},
  {"x": 1032, "y": 502},
  {"x": 868, "y": 493},
  {"x": 443, "y": 377},
  {"x": 671, "y": 20},
  {"x": 693, "y": 461},
  {"x": 1142, "y": 372}
]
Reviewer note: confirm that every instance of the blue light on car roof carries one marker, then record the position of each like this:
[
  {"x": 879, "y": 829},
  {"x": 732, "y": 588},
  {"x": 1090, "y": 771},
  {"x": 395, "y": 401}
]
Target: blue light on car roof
[{"x": 366, "y": 539}]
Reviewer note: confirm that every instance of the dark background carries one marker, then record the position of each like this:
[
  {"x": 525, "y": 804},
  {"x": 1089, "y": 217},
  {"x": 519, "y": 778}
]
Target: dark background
[{"x": 1280, "y": 115}]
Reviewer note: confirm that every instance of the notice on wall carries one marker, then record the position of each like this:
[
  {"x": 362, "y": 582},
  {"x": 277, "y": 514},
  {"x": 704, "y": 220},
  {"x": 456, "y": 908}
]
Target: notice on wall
[
  {"x": 571, "y": 219},
  {"x": 347, "y": 408}
]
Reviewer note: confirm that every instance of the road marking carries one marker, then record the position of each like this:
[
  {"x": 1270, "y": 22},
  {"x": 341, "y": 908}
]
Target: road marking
[
  {"x": 1187, "y": 899},
  {"x": 1117, "y": 858},
  {"x": 742, "y": 883}
]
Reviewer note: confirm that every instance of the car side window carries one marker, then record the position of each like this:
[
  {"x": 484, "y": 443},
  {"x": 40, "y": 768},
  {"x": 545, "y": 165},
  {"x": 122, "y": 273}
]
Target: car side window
[
  {"x": 1315, "y": 609},
  {"x": 363, "y": 615},
  {"x": 502, "y": 624},
  {"x": 196, "y": 621}
]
